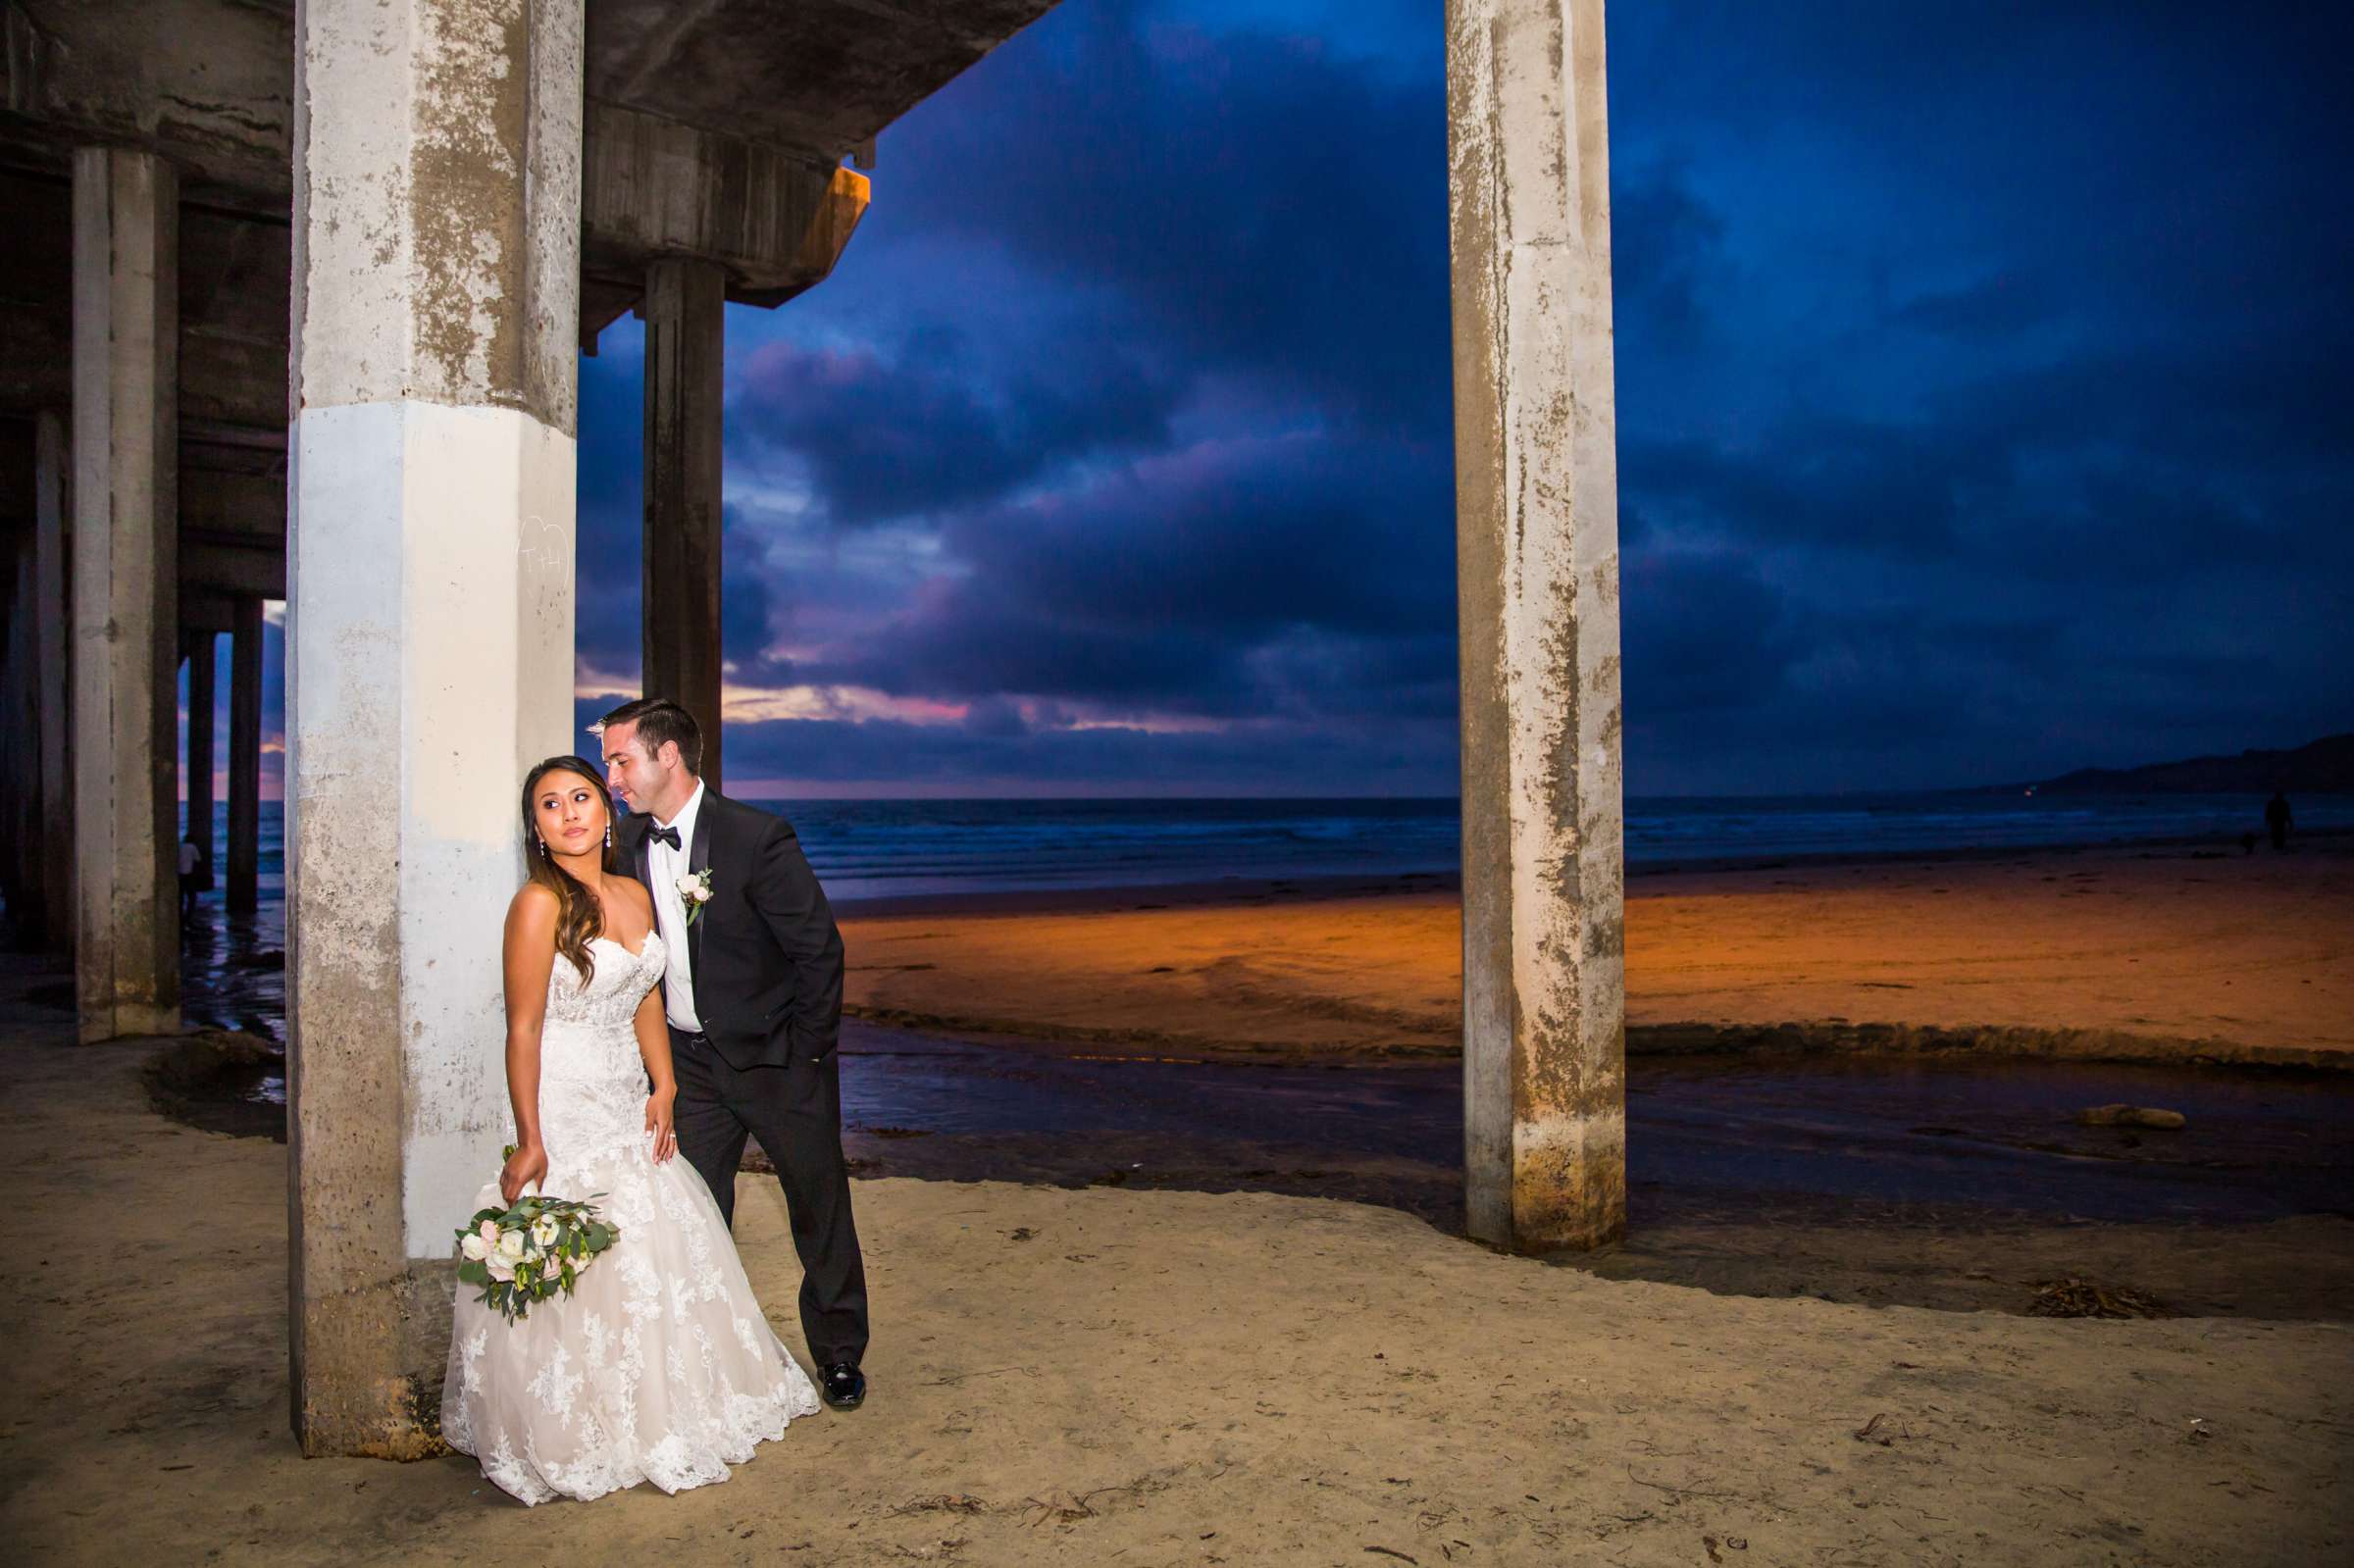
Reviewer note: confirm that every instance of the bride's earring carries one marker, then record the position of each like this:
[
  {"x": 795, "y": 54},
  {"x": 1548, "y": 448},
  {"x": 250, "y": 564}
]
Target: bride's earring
[
  {"x": 608, "y": 836},
  {"x": 543, "y": 854}
]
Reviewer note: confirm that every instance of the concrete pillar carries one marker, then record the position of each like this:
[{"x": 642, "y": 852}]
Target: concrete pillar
[
  {"x": 200, "y": 772},
  {"x": 19, "y": 760},
  {"x": 52, "y": 578},
  {"x": 429, "y": 629},
  {"x": 685, "y": 376},
  {"x": 125, "y": 591},
  {"x": 241, "y": 886},
  {"x": 1537, "y": 553}
]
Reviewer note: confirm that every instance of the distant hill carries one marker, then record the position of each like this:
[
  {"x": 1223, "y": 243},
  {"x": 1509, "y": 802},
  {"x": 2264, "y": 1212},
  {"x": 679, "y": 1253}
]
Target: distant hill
[{"x": 2326, "y": 766}]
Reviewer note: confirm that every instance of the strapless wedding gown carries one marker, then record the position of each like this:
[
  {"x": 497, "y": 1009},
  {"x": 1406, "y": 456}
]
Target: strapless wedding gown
[{"x": 659, "y": 1366}]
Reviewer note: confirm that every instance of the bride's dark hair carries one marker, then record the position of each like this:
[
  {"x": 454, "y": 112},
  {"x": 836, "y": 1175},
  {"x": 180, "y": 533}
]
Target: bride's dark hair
[{"x": 579, "y": 919}]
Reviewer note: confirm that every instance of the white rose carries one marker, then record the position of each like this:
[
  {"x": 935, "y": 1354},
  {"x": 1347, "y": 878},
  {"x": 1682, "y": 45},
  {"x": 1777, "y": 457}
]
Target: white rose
[
  {"x": 489, "y": 1232},
  {"x": 510, "y": 1246},
  {"x": 689, "y": 886},
  {"x": 500, "y": 1268},
  {"x": 544, "y": 1231},
  {"x": 474, "y": 1246}
]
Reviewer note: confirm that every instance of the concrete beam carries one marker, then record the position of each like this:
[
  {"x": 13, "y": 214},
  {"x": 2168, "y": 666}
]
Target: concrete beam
[
  {"x": 226, "y": 564},
  {"x": 229, "y": 380},
  {"x": 430, "y": 640},
  {"x": 1537, "y": 541},
  {"x": 232, "y": 305},
  {"x": 815, "y": 76},
  {"x": 125, "y": 599},
  {"x": 245, "y": 509},
  {"x": 685, "y": 345},
  {"x": 207, "y": 612},
  {"x": 654, "y": 187},
  {"x": 200, "y": 82}
]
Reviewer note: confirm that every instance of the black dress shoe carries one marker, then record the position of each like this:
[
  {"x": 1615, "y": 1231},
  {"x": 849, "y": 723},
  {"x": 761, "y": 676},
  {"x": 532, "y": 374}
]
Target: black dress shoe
[{"x": 843, "y": 1385}]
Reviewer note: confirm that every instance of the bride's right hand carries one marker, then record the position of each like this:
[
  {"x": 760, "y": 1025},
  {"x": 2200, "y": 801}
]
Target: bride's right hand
[{"x": 524, "y": 1167}]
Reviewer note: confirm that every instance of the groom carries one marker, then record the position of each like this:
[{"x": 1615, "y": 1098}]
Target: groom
[{"x": 754, "y": 998}]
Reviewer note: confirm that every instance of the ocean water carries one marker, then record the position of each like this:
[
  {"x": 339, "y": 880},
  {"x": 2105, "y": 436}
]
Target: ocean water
[{"x": 866, "y": 850}]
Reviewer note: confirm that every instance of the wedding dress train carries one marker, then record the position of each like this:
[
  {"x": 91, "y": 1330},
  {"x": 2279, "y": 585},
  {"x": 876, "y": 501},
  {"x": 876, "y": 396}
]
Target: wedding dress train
[{"x": 659, "y": 1366}]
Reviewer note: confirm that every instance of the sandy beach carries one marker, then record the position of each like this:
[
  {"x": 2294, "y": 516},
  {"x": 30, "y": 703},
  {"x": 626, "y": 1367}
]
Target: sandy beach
[
  {"x": 1102, "y": 1376},
  {"x": 1170, "y": 1371},
  {"x": 2161, "y": 954}
]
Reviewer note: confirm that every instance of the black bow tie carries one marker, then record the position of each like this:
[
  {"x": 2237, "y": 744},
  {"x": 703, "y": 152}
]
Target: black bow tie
[{"x": 668, "y": 835}]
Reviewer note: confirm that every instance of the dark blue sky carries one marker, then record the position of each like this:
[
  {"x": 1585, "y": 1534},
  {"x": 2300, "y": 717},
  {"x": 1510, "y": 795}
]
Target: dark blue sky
[{"x": 1983, "y": 408}]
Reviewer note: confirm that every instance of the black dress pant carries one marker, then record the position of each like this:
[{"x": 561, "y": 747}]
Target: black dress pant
[{"x": 796, "y": 1112}]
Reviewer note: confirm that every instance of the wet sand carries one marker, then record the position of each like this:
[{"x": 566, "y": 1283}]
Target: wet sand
[
  {"x": 1084, "y": 1377},
  {"x": 2178, "y": 954},
  {"x": 1957, "y": 1183}
]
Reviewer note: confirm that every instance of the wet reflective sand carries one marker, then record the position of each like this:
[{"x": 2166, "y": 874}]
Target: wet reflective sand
[{"x": 1742, "y": 1171}]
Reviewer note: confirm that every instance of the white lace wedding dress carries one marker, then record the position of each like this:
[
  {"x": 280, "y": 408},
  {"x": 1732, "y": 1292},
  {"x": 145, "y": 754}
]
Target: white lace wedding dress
[{"x": 659, "y": 1366}]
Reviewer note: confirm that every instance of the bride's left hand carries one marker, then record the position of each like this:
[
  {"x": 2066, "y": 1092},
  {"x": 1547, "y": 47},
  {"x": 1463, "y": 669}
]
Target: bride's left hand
[{"x": 658, "y": 1123}]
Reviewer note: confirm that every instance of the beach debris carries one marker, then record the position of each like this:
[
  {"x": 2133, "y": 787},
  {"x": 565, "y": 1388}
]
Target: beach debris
[
  {"x": 2129, "y": 1116},
  {"x": 1056, "y": 1507},
  {"x": 2200, "y": 1431},
  {"x": 943, "y": 1502},
  {"x": 1730, "y": 1544},
  {"x": 1020, "y": 1233},
  {"x": 1871, "y": 1431},
  {"x": 2073, "y": 1297},
  {"x": 1385, "y": 1551}
]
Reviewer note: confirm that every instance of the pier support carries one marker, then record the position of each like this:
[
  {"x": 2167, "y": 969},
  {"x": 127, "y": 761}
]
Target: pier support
[
  {"x": 200, "y": 648},
  {"x": 437, "y": 318},
  {"x": 52, "y": 578},
  {"x": 1537, "y": 542},
  {"x": 126, "y": 592},
  {"x": 243, "y": 884},
  {"x": 20, "y": 662},
  {"x": 684, "y": 387}
]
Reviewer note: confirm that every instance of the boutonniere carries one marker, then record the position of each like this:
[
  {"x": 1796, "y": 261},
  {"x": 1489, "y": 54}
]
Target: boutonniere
[{"x": 696, "y": 888}]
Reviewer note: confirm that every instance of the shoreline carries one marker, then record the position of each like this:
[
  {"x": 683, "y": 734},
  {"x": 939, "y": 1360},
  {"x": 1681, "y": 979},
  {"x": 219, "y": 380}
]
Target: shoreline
[
  {"x": 2134, "y": 953},
  {"x": 1108, "y": 897},
  {"x": 1670, "y": 1041}
]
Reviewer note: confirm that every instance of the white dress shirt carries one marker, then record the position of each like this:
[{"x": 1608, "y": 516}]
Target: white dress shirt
[{"x": 664, "y": 866}]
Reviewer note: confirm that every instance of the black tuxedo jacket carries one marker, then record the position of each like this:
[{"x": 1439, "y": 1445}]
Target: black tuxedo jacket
[{"x": 765, "y": 953}]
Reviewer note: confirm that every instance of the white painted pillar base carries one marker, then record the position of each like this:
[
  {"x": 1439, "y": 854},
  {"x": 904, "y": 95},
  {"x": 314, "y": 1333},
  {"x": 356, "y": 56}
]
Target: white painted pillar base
[
  {"x": 126, "y": 656},
  {"x": 430, "y": 643},
  {"x": 1537, "y": 538}
]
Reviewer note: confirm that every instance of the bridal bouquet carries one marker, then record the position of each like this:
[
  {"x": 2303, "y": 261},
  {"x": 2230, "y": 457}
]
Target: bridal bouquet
[{"x": 526, "y": 1253}]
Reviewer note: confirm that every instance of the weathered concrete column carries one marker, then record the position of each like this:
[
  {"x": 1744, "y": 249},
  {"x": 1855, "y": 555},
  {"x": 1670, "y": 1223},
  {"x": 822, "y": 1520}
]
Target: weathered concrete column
[
  {"x": 241, "y": 886},
  {"x": 200, "y": 648},
  {"x": 686, "y": 308},
  {"x": 125, "y": 591},
  {"x": 429, "y": 629},
  {"x": 1537, "y": 552},
  {"x": 20, "y": 698},
  {"x": 53, "y": 581}
]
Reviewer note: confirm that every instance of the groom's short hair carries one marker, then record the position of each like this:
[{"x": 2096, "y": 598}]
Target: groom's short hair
[{"x": 661, "y": 720}]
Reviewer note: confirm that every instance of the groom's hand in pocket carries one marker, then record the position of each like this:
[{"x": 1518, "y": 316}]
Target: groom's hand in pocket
[{"x": 658, "y": 1123}]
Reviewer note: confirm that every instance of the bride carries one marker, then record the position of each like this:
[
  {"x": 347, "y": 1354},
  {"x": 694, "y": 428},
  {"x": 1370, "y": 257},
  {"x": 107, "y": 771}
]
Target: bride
[{"x": 659, "y": 1366}]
